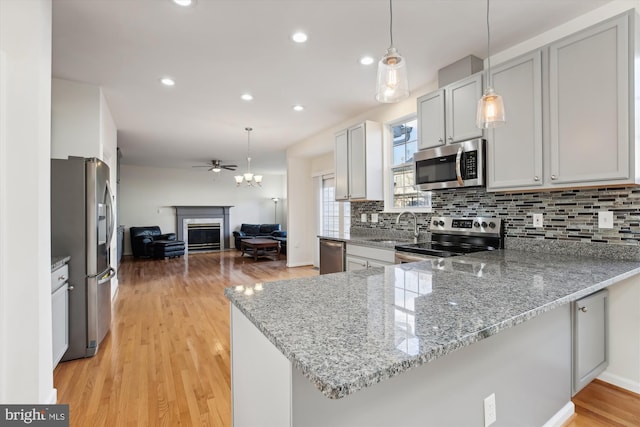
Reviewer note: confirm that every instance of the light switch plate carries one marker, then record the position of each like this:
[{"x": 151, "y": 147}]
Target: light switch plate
[
  {"x": 374, "y": 217},
  {"x": 363, "y": 218},
  {"x": 605, "y": 219}
]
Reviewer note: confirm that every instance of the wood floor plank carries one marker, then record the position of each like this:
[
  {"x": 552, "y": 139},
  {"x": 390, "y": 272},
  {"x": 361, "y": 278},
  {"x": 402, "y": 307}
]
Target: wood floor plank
[{"x": 166, "y": 360}]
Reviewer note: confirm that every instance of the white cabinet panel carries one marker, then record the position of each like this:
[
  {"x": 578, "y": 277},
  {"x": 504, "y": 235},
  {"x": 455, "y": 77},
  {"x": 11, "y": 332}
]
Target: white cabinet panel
[
  {"x": 590, "y": 349},
  {"x": 514, "y": 154},
  {"x": 342, "y": 166},
  {"x": 589, "y": 104},
  {"x": 357, "y": 163},
  {"x": 60, "y": 322},
  {"x": 431, "y": 131},
  {"x": 461, "y": 101}
]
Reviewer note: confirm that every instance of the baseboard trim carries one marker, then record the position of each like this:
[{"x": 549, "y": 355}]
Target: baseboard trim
[
  {"x": 620, "y": 381},
  {"x": 53, "y": 397},
  {"x": 562, "y": 416},
  {"x": 299, "y": 264}
]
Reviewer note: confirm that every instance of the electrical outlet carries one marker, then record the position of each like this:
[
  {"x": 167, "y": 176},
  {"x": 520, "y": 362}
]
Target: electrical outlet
[
  {"x": 374, "y": 217},
  {"x": 489, "y": 410},
  {"x": 537, "y": 220},
  {"x": 605, "y": 219},
  {"x": 363, "y": 218}
]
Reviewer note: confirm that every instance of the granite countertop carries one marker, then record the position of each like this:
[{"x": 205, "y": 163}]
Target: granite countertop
[
  {"x": 347, "y": 331},
  {"x": 59, "y": 261},
  {"x": 375, "y": 240}
]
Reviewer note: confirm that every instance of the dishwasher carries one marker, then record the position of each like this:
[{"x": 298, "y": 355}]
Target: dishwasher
[{"x": 332, "y": 255}]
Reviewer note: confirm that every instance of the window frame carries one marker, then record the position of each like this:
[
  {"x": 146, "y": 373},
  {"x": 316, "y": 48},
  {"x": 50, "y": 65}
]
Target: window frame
[
  {"x": 344, "y": 209},
  {"x": 387, "y": 141}
]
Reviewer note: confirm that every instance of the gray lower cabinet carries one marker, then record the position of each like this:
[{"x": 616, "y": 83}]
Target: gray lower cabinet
[
  {"x": 590, "y": 338},
  {"x": 363, "y": 257},
  {"x": 60, "y": 312}
]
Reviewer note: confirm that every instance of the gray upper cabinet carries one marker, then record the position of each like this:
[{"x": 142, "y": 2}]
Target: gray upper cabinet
[
  {"x": 358, "y": 162},
  {"x": 570, "y": 113},
  {"x": 514, "y": 153},
  {"x": 342, "y": 166},
  {"x": 448, "y": 115},
  {"x": 461, "y": 100},
  {"x": 431, "y": 131},
  {"x": 589, "y": 104}
]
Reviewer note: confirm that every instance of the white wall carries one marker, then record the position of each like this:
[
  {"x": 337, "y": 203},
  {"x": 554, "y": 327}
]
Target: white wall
[
  {"x": 149, "y": 194},
  {"x": 82, "y": 126},
  {"x": 26, "y": 368}
]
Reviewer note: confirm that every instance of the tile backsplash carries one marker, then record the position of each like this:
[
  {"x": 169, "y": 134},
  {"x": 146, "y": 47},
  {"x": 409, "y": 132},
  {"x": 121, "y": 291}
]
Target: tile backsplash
[{"x": 569, "y": 215}]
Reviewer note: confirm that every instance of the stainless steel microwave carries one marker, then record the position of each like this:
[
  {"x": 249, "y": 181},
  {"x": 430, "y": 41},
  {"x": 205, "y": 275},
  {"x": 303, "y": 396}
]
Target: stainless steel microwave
[{"x": 450, "y": 166}]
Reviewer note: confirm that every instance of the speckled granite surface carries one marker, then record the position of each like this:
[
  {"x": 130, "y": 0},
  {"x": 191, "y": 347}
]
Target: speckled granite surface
[
  {"x": 375, "y": 238},
  {"x": 347, "y": 331},
  {"x": 58, "y": 261},
  {"x": 596, "y": 250}
]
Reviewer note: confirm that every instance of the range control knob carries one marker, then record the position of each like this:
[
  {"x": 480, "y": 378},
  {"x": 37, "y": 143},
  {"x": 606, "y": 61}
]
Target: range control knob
[
  {"x": 484, "y": 224},
  {"x": 439, "y": 223},
  {"x": 492, "y": 224},
  {"x": 476, "y": 224}
]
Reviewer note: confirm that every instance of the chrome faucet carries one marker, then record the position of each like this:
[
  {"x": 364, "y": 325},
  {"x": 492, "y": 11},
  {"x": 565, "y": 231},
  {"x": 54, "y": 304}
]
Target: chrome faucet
[{"x": 416, "y": 233}]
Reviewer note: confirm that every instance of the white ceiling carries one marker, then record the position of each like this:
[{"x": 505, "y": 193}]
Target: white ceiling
[{"x": 219, "y": 49}]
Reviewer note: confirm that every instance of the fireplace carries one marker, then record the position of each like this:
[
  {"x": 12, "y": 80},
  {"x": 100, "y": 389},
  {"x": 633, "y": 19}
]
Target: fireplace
[
  {"x": 206, "y": 236},
  {"x": 203, "y": 228}
]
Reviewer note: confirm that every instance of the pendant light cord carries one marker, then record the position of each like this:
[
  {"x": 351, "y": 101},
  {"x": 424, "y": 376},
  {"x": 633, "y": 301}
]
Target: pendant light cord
[
  {"x": 391, "y": 22},
  {"x": 248, "y": 148},
  {"x": 488, "y": 49}
]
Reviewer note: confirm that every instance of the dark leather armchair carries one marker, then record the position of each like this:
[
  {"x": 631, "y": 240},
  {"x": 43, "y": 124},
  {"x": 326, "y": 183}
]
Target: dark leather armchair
[{"x": 143, "y": 237}]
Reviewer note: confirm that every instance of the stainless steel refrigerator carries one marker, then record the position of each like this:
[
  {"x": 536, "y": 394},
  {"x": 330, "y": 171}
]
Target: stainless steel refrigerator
[{"x": 82, "y": 226}]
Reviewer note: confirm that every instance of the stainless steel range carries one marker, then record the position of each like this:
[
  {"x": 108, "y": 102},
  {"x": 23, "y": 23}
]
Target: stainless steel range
[{"x": 453, "y": 236}]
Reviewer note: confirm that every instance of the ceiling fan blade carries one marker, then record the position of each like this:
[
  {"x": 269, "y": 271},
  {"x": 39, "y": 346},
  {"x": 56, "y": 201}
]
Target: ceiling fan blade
[{"x": 229, "y": 167}]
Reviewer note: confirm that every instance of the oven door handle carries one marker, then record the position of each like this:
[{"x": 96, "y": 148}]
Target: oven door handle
[{"x": 458, "y": 167}]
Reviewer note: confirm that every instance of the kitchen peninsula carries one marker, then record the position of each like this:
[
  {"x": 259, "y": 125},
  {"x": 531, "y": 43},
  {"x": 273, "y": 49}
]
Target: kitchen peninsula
[{"x": 414, "y": 344}]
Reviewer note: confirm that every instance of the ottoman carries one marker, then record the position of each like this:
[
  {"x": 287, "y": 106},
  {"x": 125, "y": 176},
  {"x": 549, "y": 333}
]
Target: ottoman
[{"x": 167, "y": 248}]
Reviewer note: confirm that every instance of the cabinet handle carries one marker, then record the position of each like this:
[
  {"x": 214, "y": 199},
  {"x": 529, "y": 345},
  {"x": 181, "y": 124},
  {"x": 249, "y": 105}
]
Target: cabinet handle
[
  {"x": 70, "y": 288},
  {"x": 450, "y": 139},
  {"x": 440, "y": 140},
  {"x": 62, "y": 277},
  {"x": 535, "y": 178},
  {"x": 554, "y": 177},
  {"x": 583, "y": 309}
]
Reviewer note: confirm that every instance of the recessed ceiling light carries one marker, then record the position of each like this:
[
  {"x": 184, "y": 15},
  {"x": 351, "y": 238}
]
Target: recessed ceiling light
[
  {"x": 366, "y": 60},
  {"x": 298, "y": 108},
  {"x": 183, "y": 3},
  {"x": 167, "y": 81},
  {"x": 299, "y": 37},
  {"x": 246, "y": 97}
]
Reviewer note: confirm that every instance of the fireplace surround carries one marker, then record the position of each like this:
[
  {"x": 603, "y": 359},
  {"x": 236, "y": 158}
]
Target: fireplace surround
[{"x": 203, "y": 217}]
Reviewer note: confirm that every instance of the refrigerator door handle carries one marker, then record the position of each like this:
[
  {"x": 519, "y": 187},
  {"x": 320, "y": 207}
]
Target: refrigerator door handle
[
  {"x": 111, "y": 225},
  {"x": 107, "y": 276}
]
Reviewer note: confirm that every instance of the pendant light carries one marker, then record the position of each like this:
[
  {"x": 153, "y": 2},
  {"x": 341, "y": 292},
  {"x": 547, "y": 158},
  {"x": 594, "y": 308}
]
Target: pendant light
[
  {"x": 392, "y": 83},
  {"x": 248, "y": 177},
  {"x": 490, "y": 112}
]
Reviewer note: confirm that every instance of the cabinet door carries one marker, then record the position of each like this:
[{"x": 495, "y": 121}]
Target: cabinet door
[
  {"x": 60, "y": 322},
  {"x": 589, "y": 338},
  {"x": 342, "y": 166},
  {"x": 514, "y": 153},
  {"x": 431, "y": 120},
  {"x": 357, "y": 163},
  {"x": 461, "y": 103},
  {"x": 589, "y": 104},
  {"x": 354, "y": 263}
]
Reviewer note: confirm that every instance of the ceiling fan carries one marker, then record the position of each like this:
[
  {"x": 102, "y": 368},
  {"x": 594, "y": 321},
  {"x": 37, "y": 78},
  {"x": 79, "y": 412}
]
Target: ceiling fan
[{"x": 217, "y": 166}]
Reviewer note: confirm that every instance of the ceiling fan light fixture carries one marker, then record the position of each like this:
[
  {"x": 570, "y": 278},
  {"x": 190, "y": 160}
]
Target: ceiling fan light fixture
[
  {"x": 216, "y": 169},
  {"x": 490, "y": 112},
  {"x": 392, "y": 84}
]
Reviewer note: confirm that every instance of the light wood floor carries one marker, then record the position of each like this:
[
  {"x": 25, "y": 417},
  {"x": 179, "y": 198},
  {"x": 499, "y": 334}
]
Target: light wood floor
[{"x": 166, "y": 360}]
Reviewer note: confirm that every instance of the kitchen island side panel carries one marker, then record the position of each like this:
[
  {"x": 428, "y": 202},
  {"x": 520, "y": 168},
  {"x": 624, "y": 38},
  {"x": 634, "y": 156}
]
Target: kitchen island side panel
[{"x": 528, "y": 367}]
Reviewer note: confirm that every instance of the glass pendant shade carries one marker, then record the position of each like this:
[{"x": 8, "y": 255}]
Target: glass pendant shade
[
  {"x": 257, "y": 179},
  {"x": 248, "y": 176},
  {"x": 490, "y": 111},
  {"x": 392, "y": 84},
  {"x": 238, "y": 179}
]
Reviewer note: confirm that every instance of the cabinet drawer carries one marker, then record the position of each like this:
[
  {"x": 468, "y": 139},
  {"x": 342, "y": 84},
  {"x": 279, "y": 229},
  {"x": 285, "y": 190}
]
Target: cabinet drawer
[{"x": 59, "y": 277}]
